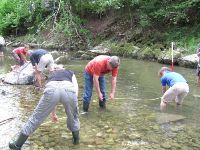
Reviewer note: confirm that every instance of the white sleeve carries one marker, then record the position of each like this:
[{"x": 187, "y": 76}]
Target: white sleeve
[{"x": 75, "y": 83}]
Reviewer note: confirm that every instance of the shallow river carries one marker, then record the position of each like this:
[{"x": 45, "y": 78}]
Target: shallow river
[{"x": 132, "y": 121}]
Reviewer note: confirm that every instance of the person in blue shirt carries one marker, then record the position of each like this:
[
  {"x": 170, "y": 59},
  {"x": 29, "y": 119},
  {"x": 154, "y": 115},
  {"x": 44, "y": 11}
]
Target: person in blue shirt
[
  {"x": 41, "y": 59},
  {"x": 178, "y": 87},
  {"x": 198, "y": 65}
]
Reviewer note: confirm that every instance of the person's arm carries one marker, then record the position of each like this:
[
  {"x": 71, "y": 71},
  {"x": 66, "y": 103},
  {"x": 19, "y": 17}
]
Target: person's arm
[
  {"x": 113, "y": 87},
  {"x": 38, "y": 77},
  {"x": 198, "y": 54},
  {"x": 33, "y": 62},
  {"x": 96, "y": 83},
  {"x": 75, "y": 83},
  {"x": 23, "y": 57},
  {"x": 54, "y": 117},
  {"x": 164, "y": 89}
]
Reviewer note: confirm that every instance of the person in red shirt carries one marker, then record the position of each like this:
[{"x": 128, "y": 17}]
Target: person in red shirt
[
  {"x": 94, "y": 73},
  {"x": 20, "y": 54}
]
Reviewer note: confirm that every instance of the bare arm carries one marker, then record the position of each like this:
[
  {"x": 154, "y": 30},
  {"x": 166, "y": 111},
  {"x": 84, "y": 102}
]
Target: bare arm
[
  {"x": 164, "y": 89},
  {"x": 38, "y": 76},
  {"x": 54, "y": 117},
  {"x": 113, "y": 87},
  {"x": 96, "y": 83},
  {"x": 23, "y": 57}
]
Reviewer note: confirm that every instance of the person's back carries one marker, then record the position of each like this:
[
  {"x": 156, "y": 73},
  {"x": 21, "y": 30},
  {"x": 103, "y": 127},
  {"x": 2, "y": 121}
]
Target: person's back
[
  {"x": 36, "y": 55},
  {"x": 170, "y": 78}
]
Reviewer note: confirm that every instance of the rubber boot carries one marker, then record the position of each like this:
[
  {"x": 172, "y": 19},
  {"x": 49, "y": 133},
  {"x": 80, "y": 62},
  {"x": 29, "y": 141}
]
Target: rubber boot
[
  {"x": 16, "y": 145},
  {"x": 85, "y": 106},
  {"x": 102, "y": 103},
  {"x": 75, "y": 139}
]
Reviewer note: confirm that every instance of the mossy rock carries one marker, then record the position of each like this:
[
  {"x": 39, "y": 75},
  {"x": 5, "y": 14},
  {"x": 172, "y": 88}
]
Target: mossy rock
[{"x": 149, "y": 53}]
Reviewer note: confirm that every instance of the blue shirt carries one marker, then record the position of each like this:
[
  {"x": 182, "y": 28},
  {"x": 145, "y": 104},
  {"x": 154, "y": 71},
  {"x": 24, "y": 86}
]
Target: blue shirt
[
  {"x": 170, "y": 78},
  {"x": 198, "y": 50},
  {"x": 36, "y": 55}
]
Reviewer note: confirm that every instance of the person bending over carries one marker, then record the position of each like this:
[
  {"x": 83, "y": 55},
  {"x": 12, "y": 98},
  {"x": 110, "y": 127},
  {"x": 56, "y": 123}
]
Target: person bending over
[
  {"x": 62, "y": 87},
  {"x": 20, "y": 54},
  {"x": 41, "y": 59},
  {"x": 178, "y": 87},
  {"x": 94, "y": 73}
]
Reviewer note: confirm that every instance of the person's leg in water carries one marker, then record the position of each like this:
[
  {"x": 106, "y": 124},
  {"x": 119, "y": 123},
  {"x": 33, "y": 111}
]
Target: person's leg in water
[
  {"x": 46, "y": 105},
  {"x": 17, "y": 60},
  {"x": 88, "y": 86},
  {"x": 70, "y": 102},
  {"x": 198, "y": 74},
  {"x": 102, "y": 84}
]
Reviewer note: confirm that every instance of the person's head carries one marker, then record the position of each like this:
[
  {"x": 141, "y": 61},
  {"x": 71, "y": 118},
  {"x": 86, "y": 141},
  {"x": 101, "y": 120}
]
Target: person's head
[
  {"x": 163, "y": 70},
  {"x": 114, "y": 61},
  {"x": 27, "y": 47},
  {"x": 30, "y": 52}
]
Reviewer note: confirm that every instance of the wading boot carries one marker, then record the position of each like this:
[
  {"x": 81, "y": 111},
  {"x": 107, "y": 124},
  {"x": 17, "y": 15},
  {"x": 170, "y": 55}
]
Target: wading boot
[
  {"x": 16, "y": 145},
  {"x": 85, "y": 106},
  {"x": 102, "y": 103},
  {"x": 75, "y": 139}
]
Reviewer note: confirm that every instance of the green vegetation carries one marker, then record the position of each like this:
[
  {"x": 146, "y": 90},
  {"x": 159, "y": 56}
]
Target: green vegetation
[{"x": 159, "y": 21}]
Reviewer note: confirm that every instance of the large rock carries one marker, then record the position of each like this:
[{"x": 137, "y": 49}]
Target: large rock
[
  {"x": 165, "y": 57},
  {"x": 190, "y": 61},
  {"x": 62, "y": 59},
  {"x": 90, "y": 54},
  {"x": 55, "y": 54},
  {"x": 22, "y": 75}
]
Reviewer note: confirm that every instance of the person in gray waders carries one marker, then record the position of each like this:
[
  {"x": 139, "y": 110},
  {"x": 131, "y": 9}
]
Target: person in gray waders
[{"x": 61, "y": 87}]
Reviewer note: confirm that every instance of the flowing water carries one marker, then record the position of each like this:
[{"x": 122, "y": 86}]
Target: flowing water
[{"x": 132, "y": 121}]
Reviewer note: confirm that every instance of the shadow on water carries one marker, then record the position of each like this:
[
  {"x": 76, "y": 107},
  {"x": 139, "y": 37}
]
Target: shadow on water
[{"x": 130, "y": 121}]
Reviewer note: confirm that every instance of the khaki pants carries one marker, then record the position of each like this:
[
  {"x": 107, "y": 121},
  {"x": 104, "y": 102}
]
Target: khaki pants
[{"x": 177, "y": 92}]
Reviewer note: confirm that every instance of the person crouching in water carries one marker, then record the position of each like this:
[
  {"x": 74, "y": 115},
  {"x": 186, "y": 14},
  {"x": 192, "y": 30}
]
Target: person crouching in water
[
  {"x": 61, "y": 87},
  {"x": 20, "y": 54},
  {"x": 178, "y": 87}
]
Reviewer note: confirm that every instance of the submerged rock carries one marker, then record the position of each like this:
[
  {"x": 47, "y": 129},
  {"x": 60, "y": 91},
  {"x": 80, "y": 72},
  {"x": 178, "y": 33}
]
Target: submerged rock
[{"x": 165, "y": 118}]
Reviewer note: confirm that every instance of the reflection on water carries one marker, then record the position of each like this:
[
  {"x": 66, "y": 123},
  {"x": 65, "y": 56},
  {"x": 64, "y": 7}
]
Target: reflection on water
[{"x": 130, "y": 121}]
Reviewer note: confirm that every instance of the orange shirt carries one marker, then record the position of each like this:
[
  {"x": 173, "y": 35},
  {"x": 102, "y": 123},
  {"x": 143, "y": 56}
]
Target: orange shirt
[
  {"x": 20, "y": 50},
  {"x": 98, "y": 66}
]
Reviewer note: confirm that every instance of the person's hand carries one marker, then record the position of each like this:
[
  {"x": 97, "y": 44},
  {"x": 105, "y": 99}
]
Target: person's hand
[
  {"x": 163, "y": 105},
  {"x": 111, "y": 96},
  {"x": 54, "y": 118},
  {"x": 39, "y": 89},
  {"x": 100, "y": 97}
]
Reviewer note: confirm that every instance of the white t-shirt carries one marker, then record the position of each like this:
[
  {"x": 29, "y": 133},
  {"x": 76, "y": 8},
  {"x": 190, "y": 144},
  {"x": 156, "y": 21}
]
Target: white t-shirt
[{"x": 2, "y": 41}]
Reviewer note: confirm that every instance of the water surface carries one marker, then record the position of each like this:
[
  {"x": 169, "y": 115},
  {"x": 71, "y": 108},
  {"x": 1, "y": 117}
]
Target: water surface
[{"x": 130, "y": 121}]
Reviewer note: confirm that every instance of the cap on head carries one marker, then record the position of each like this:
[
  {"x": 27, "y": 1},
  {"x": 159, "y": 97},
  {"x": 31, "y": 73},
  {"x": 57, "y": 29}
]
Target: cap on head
[
  {"x": 114, "y": 61},
  {"x": 163, "y": 69}
]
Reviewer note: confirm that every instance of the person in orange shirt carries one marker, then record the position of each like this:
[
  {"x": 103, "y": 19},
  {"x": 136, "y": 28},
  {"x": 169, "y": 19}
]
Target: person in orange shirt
[
  {"x": 94, "y": 73},
  {"x": 20, "y": 54}
]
